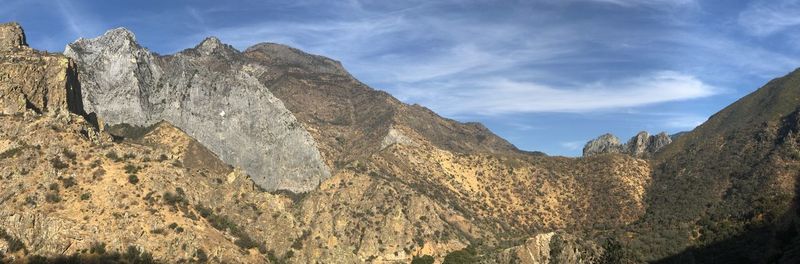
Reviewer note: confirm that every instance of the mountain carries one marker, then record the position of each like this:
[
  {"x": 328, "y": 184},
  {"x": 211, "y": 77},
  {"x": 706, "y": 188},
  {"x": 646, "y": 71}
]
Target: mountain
[
  {"x": 287, "y": 117},
  {"x": 728, "y": 189},
  {"x": 111, "y": 153},
  {"x": 403, "y": 181}
]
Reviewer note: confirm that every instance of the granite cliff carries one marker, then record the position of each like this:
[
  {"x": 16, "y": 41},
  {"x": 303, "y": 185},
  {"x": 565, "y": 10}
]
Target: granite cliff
[
  {"x": 206, "y": 91},
  {"x": 642, "y": 145}
]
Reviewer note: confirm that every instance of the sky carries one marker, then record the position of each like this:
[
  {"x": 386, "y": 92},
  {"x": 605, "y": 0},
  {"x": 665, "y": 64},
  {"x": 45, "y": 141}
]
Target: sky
[{"x": 547, "y": 75}]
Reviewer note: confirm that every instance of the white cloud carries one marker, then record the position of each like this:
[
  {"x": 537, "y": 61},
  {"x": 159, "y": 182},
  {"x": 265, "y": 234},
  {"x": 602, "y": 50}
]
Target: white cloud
[
  {"x": 79, "y": 23},
  {"x": 646, "y": 3},
  {"x": 763, "y": 18},
  {"x": 686, "y": 122},
  {"x": 503, "y": 96},
  {"x": 573, "y": 145}
]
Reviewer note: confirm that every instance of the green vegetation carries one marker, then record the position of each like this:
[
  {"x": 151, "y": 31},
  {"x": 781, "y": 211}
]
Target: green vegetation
[
  {"x": 52, "y": 197},
  {"x": 133, "y": 179},
  {"x": 201, "y": 255},
  {"x": 14, "y": 244},
  {"x": 68, "y": 182},
  {"x": 131, "y": 169},
  {"x": 463, "y": 256},
  {"x": 58, "y": 164},
  {"x": 112, "y": 155},
  {"x": 225, "y": 224},
  {"x": 86, "y": 196},
  {"x": 97, "y": 248},
  {"x": 176, "y": 199},
  {"x": 69, "y": 154},
  {"x": 10, "y": 153},
  {"x": 426, "y": 259}
]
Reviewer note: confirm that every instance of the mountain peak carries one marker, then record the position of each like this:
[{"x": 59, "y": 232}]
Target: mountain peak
[
  {"x": 12, "y": 36},
  {"x": 641, "y": 145},
  {"x": 212, "y": 45},
  {"x": 120, "y": 33}
]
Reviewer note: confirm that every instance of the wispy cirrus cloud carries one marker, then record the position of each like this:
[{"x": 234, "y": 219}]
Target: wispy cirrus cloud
[
  {"x": 505, "y": 96},
  {"x": 763, "y": 18}
]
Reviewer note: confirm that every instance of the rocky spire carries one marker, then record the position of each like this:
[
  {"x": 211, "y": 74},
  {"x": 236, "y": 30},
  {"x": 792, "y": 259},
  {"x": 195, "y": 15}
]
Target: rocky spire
[
  {"x": 642, "y": 145},
  {"x": 35, "y": 80},
  {"x": 12, "y": 37}
]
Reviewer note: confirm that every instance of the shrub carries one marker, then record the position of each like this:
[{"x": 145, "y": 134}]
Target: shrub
[
  {"x": 130, "y": 169},
  {"x": 112, "y": 155},
  {"x": 463, "y": 256},
  {"x": 175, "y": 199},
  {"x": 69, "y": 154},
  {"x": 129, "y": 156},
  {"x": 201, "y": 256},
  {"x": 86, "y": 196},
  {"x": 427, "y": 259},
  {"x": 52, "y": 197},
  {"x": 14, "y": 244},
  {"x": 133, "y": 255},
  {"x": 68, "y": 182},
  {"x": 58, "y": 164},
  {"x": 133, "y": 179},
  {"x": 97, "y": 248}
]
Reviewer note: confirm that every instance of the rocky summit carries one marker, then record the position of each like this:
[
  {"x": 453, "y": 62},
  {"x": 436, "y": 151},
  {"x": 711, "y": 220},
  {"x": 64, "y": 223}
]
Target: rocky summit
[
  {"x": 642, "y": 145},
  {"x": 35, "y": 80}
]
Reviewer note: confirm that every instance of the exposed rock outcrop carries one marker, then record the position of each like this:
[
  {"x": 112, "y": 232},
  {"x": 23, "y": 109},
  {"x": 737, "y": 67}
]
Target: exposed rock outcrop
[
  {"x": 551, "y": 248},
  {"x": 34, "y": 80},
  {"x": 208, "y": 93},
  {"x": 12, "y": 37},
  {"x": 643, "y": 145}
]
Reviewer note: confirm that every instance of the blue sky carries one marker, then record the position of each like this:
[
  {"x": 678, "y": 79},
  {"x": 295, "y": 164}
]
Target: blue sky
[{"x": 547, "y": 75}]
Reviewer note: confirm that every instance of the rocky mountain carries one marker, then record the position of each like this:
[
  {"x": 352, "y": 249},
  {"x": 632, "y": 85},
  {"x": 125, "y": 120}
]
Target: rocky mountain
[
  {"x": 287, "y": 117},
  {"x": 404, "y": 182},
  {"x": 113, "y": 154},
  {"x": 642, "y": 145},
  {"x": 208, "y": 95}
]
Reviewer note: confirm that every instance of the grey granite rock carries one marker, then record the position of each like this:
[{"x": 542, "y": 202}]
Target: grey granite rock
[
  {"x": 206, "y": 91},
  {"x": 607, "y": 143},
  {"x": 643, "y": 145}
]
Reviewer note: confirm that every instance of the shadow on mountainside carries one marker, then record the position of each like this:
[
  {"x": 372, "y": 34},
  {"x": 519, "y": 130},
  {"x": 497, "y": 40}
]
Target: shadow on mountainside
[{"x": 776, "y": 242}]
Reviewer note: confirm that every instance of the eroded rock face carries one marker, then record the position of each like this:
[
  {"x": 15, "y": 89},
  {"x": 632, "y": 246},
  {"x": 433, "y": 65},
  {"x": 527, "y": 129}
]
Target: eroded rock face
[
  {"x": 642, "y": 145},
  {"x": 606, "y": 143},
  {"x": 551, "y": 248},
  {"x": 34, "y": 80},
  {"x": 12, "y": 37},
  {"x": 209, "y": 94}
]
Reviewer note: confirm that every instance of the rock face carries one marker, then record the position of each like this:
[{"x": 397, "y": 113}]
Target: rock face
[
  {"x": 607, "y": 143},
  {"x": 551, "y": 248},
  {"x": 33, "y": 80},
  {"x": 643, "y": 145},
  {"x": 209, "y": 93},
  {"x": 12, "y": 37}
]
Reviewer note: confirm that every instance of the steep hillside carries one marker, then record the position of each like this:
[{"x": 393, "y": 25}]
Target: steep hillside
[{"x": 732, "y": 178}]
